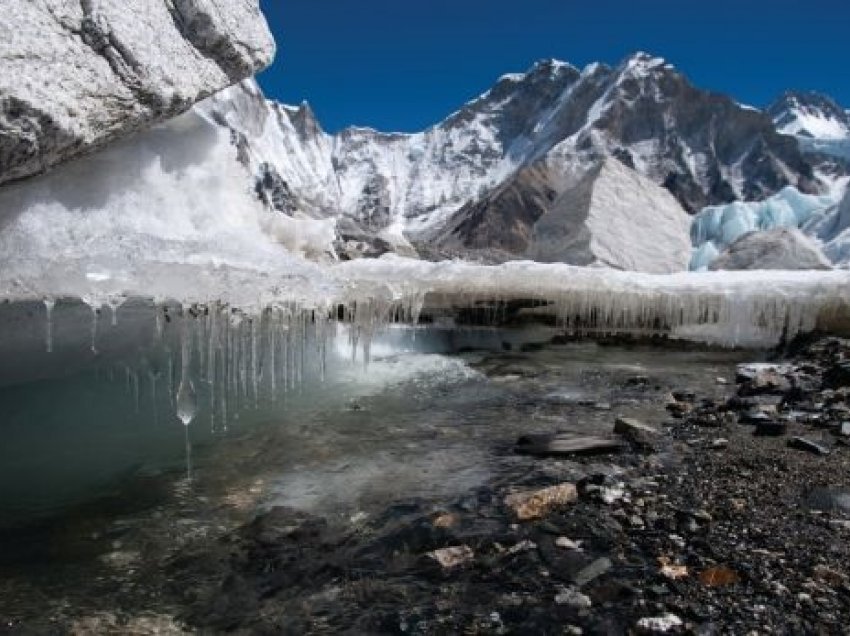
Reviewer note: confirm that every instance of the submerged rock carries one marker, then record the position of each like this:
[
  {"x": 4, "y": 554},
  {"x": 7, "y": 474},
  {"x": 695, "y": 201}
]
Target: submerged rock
[
  {"x": 565, "y": 445},
  {"x": 535, "y": 504}
]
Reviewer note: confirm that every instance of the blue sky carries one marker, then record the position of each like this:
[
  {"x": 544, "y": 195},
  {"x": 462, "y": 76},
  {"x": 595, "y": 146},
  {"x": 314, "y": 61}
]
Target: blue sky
[{"x": 402, "y": 65}]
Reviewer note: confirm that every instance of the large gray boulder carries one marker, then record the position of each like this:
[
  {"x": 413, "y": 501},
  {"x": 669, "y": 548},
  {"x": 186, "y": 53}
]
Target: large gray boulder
[
  {"x": 617, "y": 218},
  {"x": 780, "y": 248},
  {"x": 77, "y": 74}
]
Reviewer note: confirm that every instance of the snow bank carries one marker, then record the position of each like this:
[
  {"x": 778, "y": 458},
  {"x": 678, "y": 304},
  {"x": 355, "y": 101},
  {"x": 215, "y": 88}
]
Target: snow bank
[{"x": 167, "y": 214}]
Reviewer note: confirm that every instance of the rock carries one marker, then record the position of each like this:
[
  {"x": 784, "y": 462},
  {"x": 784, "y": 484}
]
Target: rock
[
  {"x": 679, "y": 409},
  {"x": 844, "y": 429},
  {"x": 684, "y": 396},
  {"x": 78, "y": 75},
  {"x": 573, "y": 598},
  {"x": 719, "y": 576},
  {"x": 585, "y": 225},
  {"x": 837, "y": 376},
  {"x": 565, "y": 445},
  {"x": 659, "y": 624},
  {"x": 452, "y": 557},
  {"x": 636, "y": 432},
  {"x": 593, "y": 571},
  {"x": 446, "y": 520},
  {"x": 779, "y": 248},
  {"x": 755, "y": 416},
  {"x": 769, "y": 380},
  {"x": 770, "y": 428},
  {"x": 536, "y": 504},
  {"x": 720, "y": 443},
  {"x": 801, "y": 443},
  {"x": 671, "y": 569},
  {"x": 567, "y": 544}
]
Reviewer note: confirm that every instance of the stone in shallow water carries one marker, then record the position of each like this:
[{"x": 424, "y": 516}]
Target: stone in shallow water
[
  {"x": 771, "y": 429},
  {"x": 537, "y": 503},
  {"x": 564, "y": 445},
  {"x": 635, "y": 431},
  {"x": 801, "y": 443},
  {"x": 453, "y": 556}
]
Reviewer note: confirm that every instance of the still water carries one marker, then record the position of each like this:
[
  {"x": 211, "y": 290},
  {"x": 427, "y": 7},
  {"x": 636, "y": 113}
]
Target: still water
[{"x": 176, "y": 432}]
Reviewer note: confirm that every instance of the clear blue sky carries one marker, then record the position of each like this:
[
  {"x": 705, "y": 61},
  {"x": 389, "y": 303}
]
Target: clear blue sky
[{"x": 401, "y": 65}]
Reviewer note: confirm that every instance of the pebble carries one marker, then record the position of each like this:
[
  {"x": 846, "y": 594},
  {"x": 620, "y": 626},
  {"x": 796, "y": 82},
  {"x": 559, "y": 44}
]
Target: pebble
[
  {"x": 452, "y": 557},
  {"x": 567, "y": 544},
  {"x": 573, "y": 598},
  {"x": 660, "y": 623}
]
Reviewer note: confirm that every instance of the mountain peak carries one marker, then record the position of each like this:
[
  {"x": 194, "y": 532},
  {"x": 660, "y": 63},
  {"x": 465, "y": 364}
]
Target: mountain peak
[{"x": 642, "y": 64}]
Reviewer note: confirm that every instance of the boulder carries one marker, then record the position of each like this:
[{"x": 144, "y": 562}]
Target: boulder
[
  {"x": 77, "y": 75},
  {"x": 617, "y": 218},
  {"x": 781, "y": 248}
]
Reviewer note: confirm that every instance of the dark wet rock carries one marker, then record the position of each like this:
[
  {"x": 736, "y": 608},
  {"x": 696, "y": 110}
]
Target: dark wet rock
[
  {"x": 565, "y": 445},
  {"x": 837, "y": 376},
  {"x": 755, "y": 416},
  {"x": 684, "y": 395},
  {"x": 769, "y": 428},
  {"x": 593, "y": 571},
  {"x": 801, "y": 443},
  {"x": 759, "y": 380},
  {"x": 636, "y": 432},
  {"x": 679, "y": 409}
]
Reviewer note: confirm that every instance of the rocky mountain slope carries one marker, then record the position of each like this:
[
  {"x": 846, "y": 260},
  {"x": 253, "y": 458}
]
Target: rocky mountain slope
[{"x": 76, "y": 75}]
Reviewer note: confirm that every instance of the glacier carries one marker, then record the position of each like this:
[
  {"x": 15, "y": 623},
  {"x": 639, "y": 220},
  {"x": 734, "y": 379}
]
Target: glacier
[{"x": 715, "y": 228}]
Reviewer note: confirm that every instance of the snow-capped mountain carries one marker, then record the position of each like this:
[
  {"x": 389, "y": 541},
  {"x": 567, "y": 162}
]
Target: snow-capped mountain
[
  {"x": 820, "y": 125},
  {"x": 481, "y": 179},
  {"x": 705, "y": 148}
]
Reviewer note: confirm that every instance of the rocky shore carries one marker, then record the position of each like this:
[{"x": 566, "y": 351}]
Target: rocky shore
[{"x": 732, "y": 515}]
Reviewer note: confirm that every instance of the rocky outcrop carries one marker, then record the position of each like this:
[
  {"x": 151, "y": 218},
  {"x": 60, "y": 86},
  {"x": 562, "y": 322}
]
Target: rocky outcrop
[
  {"x": 781, "y": 248},
  {"x": 77, "y": 75},
  {"x": 617, "y": 218}
]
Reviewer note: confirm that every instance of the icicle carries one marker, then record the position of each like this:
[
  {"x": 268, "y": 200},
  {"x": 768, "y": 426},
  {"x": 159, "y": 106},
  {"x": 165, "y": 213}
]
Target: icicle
[
  {"x": 95, "y": 310},
  {"x": 188, "y": 452},
  {"x": 153, "y": 376},
  {"x": 255, "y": 380},
  {"x": 114, "y": 302},
  {"x": 186, "y": 402},
  {"x": 136, "y": 395},
  {"x": 159, "y": 317},
  {"x": 49, "y": 304},
  {"x": 273, "y": 355}
]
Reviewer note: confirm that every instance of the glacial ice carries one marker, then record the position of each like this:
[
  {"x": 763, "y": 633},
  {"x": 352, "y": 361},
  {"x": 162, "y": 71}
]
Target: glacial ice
[{"x": 717, "y": 227}]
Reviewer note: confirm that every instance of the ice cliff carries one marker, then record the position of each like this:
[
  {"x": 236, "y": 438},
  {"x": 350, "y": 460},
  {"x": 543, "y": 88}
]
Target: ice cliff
[{"x": 77, "y": 75}]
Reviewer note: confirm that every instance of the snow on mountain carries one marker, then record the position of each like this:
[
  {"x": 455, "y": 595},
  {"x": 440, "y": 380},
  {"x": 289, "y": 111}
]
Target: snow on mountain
[
  {"x": 529, "y": 138},
  {"x": 818, "y": 123}
]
